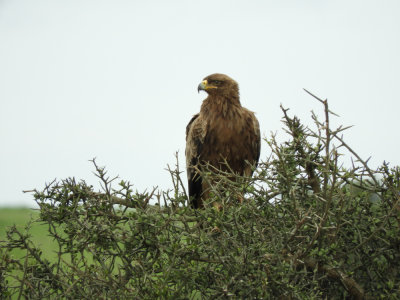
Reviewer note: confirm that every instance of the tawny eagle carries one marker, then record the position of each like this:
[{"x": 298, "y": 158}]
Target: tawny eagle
[{"x": 222, "y": 133}]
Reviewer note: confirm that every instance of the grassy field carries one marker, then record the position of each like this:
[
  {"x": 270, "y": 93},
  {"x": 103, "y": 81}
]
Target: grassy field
[{"x": 39, "y": 234}]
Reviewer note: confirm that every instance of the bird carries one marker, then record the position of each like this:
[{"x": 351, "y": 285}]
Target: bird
[{"x": 224, "y": 135}]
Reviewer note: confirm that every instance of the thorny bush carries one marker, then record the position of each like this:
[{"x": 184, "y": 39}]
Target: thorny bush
[{"x": 308, "y": 228}]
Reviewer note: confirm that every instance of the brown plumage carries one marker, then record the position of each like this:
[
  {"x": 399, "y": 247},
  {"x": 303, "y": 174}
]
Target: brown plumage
[{"x": 223, "y": 130}]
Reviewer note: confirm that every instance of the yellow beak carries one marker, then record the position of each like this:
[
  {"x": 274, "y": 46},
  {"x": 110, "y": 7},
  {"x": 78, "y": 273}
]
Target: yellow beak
[{"x": 204, "y": 86}]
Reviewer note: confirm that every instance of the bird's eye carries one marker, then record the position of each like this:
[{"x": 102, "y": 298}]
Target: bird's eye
[{"x": 217, "y": 82}]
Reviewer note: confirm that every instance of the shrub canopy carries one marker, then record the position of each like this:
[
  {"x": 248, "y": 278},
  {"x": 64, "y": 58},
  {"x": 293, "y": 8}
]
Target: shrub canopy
[{"x": 309, "y": 227}]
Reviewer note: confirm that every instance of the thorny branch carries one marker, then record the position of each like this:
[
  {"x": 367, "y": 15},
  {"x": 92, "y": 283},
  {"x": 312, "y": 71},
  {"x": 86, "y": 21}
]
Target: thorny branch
[{"x": 309, "y": 228}]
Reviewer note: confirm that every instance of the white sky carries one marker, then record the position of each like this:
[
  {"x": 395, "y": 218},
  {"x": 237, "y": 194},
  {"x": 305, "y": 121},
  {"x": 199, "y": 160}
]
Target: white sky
[{"x": 117, "y": 80}]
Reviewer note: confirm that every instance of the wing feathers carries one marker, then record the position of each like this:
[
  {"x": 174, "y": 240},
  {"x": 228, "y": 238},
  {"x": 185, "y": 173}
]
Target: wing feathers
[{"x": 195, "y": 133}]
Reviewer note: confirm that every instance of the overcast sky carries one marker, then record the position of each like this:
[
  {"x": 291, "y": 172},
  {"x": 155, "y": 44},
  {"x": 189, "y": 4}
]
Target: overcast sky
[{"x": 117, "y": 80}]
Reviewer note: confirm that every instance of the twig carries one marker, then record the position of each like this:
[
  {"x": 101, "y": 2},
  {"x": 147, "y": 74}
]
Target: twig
[
  {"x": 354, "y": 289},
  {"x": 24, "y": 276},
  {"x": 359, "y": 159}
]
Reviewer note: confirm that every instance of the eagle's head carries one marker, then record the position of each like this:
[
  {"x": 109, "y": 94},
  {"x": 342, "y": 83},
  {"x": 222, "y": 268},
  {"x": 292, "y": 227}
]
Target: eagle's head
[{"x": 219, "y": 84}]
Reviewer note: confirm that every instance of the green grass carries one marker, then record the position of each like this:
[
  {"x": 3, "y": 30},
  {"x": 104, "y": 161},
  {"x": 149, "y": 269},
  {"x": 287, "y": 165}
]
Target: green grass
[{"x": 20, "y": 217}]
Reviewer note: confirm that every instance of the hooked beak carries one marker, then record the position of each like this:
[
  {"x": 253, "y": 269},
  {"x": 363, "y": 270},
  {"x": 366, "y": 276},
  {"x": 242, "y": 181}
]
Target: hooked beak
[
  {"x": 205, "y": 86},
  {"x": 202, "y": 86}
]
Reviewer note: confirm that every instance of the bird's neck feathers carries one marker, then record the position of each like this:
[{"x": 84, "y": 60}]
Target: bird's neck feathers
[{"x": 225, "y": 106}]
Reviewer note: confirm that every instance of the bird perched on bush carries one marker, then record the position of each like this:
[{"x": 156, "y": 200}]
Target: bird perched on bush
[{"x": 223, "y": 134}]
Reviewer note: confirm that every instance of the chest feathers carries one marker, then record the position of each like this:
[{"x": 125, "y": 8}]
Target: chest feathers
[{"x": 227, "y": 133}]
